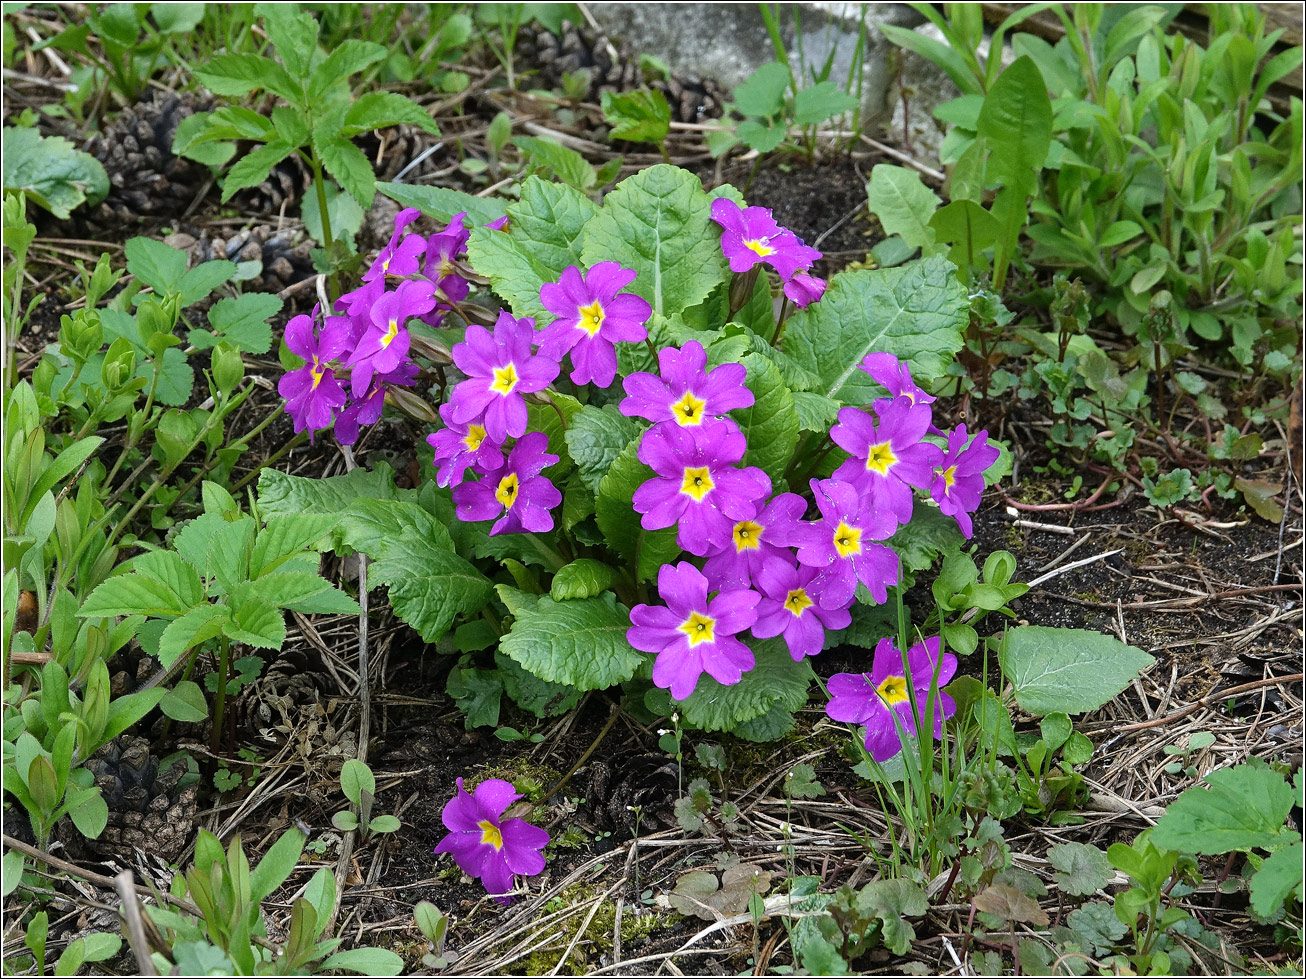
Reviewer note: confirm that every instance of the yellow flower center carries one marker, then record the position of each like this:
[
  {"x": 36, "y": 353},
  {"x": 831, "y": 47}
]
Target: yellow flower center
[
  {"x": 893, "y": 690},
  {"x": 880, "y": 458},
  {"x": 490, "y": 834},
  {"x": 591, "y": 317},
  {"x": 798, "y": 602},
  {"x": 689, "y": 409},
  {"x": 505, "y": 379},
  {"x": 316, "y": 372},
  {"x": 445, "y": 268},
  {"x": 758, "y": 247},
  {"x": 391, "y": 332},
  {"x": 697, "y": 483},
  {"x": 699, "y": 628},
  {"x": 949, "y": 478},
  {"x": 474, "y": 437},
  {"x": 847, "y": 540},
  {"x": 748, "y": 535},
  {"x": 506, "y": 493}
]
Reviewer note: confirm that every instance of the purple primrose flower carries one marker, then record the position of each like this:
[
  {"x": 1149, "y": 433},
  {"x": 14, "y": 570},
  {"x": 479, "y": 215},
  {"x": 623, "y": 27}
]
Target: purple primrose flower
[
  {"x": 368, "y": 410},
  {"x": 442, "y": 250},
  {"x": 840, "y": 546},
  {"x": 459, "y": 446},
  {"x": 486, "y": 845},
  {"x": 888, "y": 459},
  {"x": 756, "y": 543},
  {"x": 402, "y": 252},
  {"x": 803, "y": 289},
  {"x": 515, "y": 489},
  {"x": 593, "y": 315},
  {"x": 787, "y": 609},
  {"x": 500, "y": 369},
  {"x": 698, "y": 489},
  {"x": 686, "y": 393},
  {"x": 385, "y": 345},
  {"x": 874, "y": 698},
  {"x": 312, "y": 391},
  {"x": 959, "y": 483},
  {"x": 691, "y": 635},
  {"x": 895, "y": 376},
  {"x": 749, "y": 235}
]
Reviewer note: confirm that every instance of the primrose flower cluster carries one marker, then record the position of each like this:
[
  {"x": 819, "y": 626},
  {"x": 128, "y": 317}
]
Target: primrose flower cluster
[{"x": 363, "y": 347}]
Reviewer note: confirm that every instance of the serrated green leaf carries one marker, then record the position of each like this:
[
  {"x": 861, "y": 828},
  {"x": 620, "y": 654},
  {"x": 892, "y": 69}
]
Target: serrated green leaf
[
  {"x": 168, "y": 568},
  {"x": 203, "y": 279},
  {"x": 916, "y": 312},
  {"x": 348, "y": 58},
  {"x": 1067, "y": 670},
  {"x": 132, "y": 594},
  {"x": 1243, "y": 807},
  {"x": 775, "y": 681},
  {"x": 286, "y": 535},
  {"x": 243, "y": 320},
  {"x": 442, "y": 203},
  {"x": 540, "y": 697},
  {"x": 176, "y": 378},
  {"x": 542, "y": 239},
  {"x": 201, "y": 623},
  {"x": 1279, "y": 876},
  {"x": 346, "y": 162},
  {"x": 892, "y": 901},
  {"x": 376, "y": 110},
  {"x": 159, "y": 266},
  {"x": 1081, "y": 869},
  {"x": 256, "y": 622},
  {"x": 824, "y": 100},
  {"x": 657, "y": 223},
  {"x": 51, "y": 171},
  {"x": 762, "y": 94},
  {"x": 254, "y": 167},
  {"x": 1097, "y": 926},
  {"x": 237, "y": 74},
  {"x": 595, "y": 437},
  {"x": 580, "y": 643},
  {"x": 582, "y": 578},
  {"x": 280, "y": 493},
  {"x": 641, "y": 116},
  {"x": 929, "y": 534},
  {"x": 816, "y": 413},
  {"x": 645, "y": 550},
  {"x": 771, "y": 423}
]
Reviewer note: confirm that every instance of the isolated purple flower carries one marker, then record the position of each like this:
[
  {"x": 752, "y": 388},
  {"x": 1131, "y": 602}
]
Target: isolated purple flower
[
  {"x": 840, "y": 545},
  {"x": 687, "y": 392},
  {"x": 749, "y": 235},
  {"x": 756, "y": 543},
  {"x": 691, "y": 635},
  {"x": 500, "y": 369},
  {"x": 459, "y": 446},
  {"x": 959, "y": 483},
  {"x": 887, "y": 459},
  {"x": 402, "y": 253},
  {"x": 698, "y": 489},
  {"x": 895, "y": 376},
  {"x": 869, "y": 698},
  {"x": 592, "y": 316},
  {"x": 312, "y": 391},
  {"x": 385, "y": 344},
  {"x": 367, "y": 411},
  {"x": 515, "y": 489},
  {"x": 788, "y": 609},
  {"x": 803, "y": 289},
  {"x": 486, "y": 845}
]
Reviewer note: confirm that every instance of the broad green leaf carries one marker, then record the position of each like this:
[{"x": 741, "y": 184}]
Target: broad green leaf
[
  {"x": 595, "y": 437},
  {"x": 903, "y": 204},
  {"x": 892, "y": 901},
  {"x": 442, "y": 203},
  {"x": 346, "y": 162},
  {"x": 641, "y": 116},
  {"x": 280, "y": 493},
  {"x": 287, "y": 535},
  {"x": 816, "y": 413},
  {"x": 771, "y": 423},
  {"x": 176, "y": 378},
  {"x": 477, "y": 693},
  {"x": 824, "y": 100},
  {"x": 1242, "y": 807},
  {"x": 285, "y": 588},
  {"x": 1067, "y": 670},
  {"x": 656, "y": 222},
  {"x": 568, "y": 165},
  {"x": 132, "y": 594},
  {"x": 929, "y": 533},
  {"x": 257, "y": 622},
  {"x": 185, "y": 702},
  {"x": 413, "y": 554},
  {"x": 237, "y": 74},
  {"x": 51, "y": 171},
  {"x": 542, "y": 239},
  {"x": 1279, "y": 876},
  {"x": 293, "y": 31},
  {"x": 229, "y": 544},
  {"x": 159, "y": 266},
  {"x": 581, "y": 642},
  {"x": 1097, "y": 926},
  {"x": 277, "y": 864},
  {"x": 203, "y": 279},
  {"x": 200, "y": 623},
  {"x": 969, "y": 228},
  {"x": 763, "y": 92},
  {"x": 168, "y": 568},
  {"x": 644, "y": 550},
  {"x": 375, "y": 110},
  {"x": 775, "y": 681},
  {"x": 1081, "y": 869},
  {"x": 355, "y": 779},
  {"x": 365, "y": 961},
  {"x": 243, "y": 322},
  {"x": 916, "y": 312},
  {"x": 540, "y": 697},
  {"x": 582, "y": 578},
  {"x": 1017, "y": 121},
  {"x": 176, "y": 18},
  {"x": 90, "y": 813},
  {"x": 127, "y": 710}
]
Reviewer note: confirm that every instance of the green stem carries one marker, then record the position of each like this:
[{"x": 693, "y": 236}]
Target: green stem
[
  {"x": 220, "y": 700},
  {"x": 328, "y": 240},
  {"x": 292, "y": 442},
  {"x": 243, "y": 440}
]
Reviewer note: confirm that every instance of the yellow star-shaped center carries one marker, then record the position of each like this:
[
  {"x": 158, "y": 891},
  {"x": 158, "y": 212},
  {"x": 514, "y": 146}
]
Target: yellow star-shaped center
[
  {"x": 491, "y": 834},
  {"x": 474, "y": 437},
  {"x": 506, "y": 491},
  {"x": 689, "y": 409},
  {"x": 847, "y": 540},
  {"x": 758, "y": 247},
  {"x": 798, "y": 602},
  {"x": 591, "y": 317},
  {"x": 949, "y": 478},
  {"x": 505, "y": 379},
  {"x": 880, "y": 458},
  {"x": 748, "y": 535},
  {"x": 699, "y": 628},
  {"x": 697, "y": 482},
  {"x": 893, "y": 690}
]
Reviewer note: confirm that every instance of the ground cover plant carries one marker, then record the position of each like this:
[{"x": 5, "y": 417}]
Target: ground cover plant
[{"x": 463, "y": 514}]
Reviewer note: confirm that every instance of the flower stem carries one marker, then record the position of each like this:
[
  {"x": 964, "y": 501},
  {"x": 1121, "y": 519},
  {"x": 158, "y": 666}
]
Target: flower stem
[{"x": 220, "y": 699}]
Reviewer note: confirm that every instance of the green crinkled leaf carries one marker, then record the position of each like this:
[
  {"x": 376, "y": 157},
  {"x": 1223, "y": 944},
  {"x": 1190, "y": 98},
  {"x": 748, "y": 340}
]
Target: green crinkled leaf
[
  {"x": 477, "y": 694},
  {"x": 540, "y": 697},
  {"x": 132, "y": 594},
  {"x": 545, "y": 418},
  {"x": 257, "y": 622},
  {"x": 645, "y": 550},
  {"x": 892, "y": 901},
  {"x": 580, "y": 643},
  {"x": 282, "y": 493},
  {"x": 413, "y": 554},
  {"x": 1067, "y": 670},
  {"x": 51, "y": 171},
  {"x": 641, "y": 116},
  {"x": 771, "y": 726},
  {"x": 903, "y": 204},
  {"x": 352, "y": 170},
  {"x": 285, "y": 536},
  {"x": 1097, "y": 926},
  {"x": 771, "y": 423},
  {"x": 582, "y": 578},
  {"x": 775, "y": 681},
  {"x": 870, "y": 624},
  {"x": 1243, "y": 807},
  {"x": 816, "y": 413},
  {"x": 200, "y": 623},
  {"x": 916, "y": 312},
  {"x": 168, "y": 568},
  {"x": 657, "y": 223},
  {"x": 927, "y": 535},
  {"x": 595, "y": 437},
  {"x": 1081, "y": 869},
  {"x": 1279, "y": 876},
  {"x": 542, "y": 239}
]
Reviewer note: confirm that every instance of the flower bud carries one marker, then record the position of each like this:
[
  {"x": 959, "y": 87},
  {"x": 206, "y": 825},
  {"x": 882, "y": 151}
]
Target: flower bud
[
  {"x": 228, "y": 367},
  {"x": 119, "y": 364}
]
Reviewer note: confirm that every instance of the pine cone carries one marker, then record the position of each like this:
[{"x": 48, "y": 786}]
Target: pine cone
[
  {"x": 147, "y": 182},
  {"x": 294, "y": 702},
  {"x": 129, "y": 668},
  {"x": 692, "y": 99},
  {"x": 147, "y": 810},
  {"x": 633, "y": 794}
]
